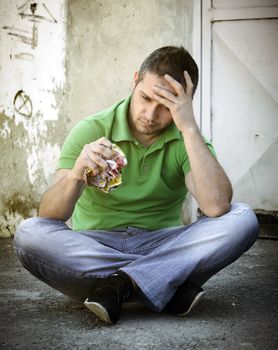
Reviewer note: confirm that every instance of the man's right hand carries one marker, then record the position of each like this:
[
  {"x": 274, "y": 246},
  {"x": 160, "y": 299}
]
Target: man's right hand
[
  {"x": 92, "y": 156},
  {"x": 58, "y": 201}
]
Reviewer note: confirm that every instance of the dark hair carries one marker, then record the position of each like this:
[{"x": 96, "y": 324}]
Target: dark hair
[{"x": 171, "y": 60}]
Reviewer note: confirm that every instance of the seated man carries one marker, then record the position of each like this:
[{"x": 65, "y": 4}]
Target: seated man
[{"x": 132, "y": 239}]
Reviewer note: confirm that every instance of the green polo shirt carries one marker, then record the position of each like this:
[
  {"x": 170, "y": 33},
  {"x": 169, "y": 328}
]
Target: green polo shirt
[{"x": 153, "y": 187}]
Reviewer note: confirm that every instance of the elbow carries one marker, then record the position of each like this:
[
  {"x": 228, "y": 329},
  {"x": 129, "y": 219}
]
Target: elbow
[
  {"x": 54, "y": 216},
  {"x": 47, "y": 213},
  {"x": 215, "y": 211},
  {"x": 217, "y": 206},
  {"x": 44, "y": 211}
]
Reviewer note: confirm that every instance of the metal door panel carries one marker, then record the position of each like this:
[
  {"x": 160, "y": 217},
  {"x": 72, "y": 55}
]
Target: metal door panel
[{"x": 239, "y": 97}]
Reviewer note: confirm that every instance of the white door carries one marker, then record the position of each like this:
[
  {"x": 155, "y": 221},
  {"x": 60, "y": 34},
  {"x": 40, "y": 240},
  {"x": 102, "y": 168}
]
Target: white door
[{"x": 239, "y": 94}]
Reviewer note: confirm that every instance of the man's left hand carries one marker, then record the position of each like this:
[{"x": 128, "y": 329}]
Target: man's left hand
[{"x": 179, "y": 103}]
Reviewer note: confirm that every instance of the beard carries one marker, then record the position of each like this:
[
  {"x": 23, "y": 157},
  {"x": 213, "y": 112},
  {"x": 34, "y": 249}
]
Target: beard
[
  {"x": 143, "y": 127},
  {"x": 146, "y": 128},
  {"x": 140, "y": 125}
]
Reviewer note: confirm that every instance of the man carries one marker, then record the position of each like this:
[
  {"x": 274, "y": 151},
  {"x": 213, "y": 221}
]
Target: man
[{"x": 131, "y": 240}]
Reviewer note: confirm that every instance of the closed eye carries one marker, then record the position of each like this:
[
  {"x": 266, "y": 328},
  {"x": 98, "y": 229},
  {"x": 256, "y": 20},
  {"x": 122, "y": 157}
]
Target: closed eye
[{"x": 146, "y": 98}]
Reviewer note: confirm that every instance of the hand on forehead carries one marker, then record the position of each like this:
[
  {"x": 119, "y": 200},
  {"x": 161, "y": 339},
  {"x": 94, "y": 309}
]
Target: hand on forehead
[
  {"x": 150, "y": 80},
  {"x": 166, "y": 85}
]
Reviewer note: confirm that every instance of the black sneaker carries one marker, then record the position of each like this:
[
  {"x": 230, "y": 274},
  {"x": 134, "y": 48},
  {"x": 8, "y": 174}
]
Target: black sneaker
[
  {"x": 109, "y": 295},
  {"x": 185, "y": 299}
]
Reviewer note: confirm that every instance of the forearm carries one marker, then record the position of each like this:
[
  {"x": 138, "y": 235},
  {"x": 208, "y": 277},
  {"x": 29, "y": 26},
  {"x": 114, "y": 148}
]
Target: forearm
[
  {"x": 58, "y": 201},
  {"x": 212, "y": 187}
]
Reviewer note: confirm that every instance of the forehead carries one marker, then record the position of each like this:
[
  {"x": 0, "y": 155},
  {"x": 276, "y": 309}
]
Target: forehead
[{"x": 151, "y": 79}]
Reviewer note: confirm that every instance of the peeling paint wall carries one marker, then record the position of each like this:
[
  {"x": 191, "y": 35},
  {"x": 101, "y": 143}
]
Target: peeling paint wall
[{"x": 32, "y": 103}]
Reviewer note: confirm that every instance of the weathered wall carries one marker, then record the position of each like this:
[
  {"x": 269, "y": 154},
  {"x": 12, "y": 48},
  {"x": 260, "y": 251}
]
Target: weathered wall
[
  {"x": 108, "y": 40},
  {"x": 32, "y": 111}
]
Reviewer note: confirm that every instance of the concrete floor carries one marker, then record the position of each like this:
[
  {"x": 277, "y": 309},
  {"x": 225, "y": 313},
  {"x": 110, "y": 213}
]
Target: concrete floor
[{"x": 239, "y": 311}]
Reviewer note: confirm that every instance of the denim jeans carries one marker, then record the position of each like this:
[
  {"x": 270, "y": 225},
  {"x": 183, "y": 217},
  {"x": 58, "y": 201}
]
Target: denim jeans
[{"x": 158, "y": 261}]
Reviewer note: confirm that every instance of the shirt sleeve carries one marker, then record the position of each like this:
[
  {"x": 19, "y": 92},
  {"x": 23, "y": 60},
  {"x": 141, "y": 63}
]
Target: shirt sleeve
[{"x": 82, "y": 134}]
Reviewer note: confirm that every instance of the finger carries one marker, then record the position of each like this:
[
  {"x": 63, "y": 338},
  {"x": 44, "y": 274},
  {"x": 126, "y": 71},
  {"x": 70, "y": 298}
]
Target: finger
[
  {"x": 98, "y": 160},
  {"x": 93, "y": 167},
  {"x": 90, "y": 164},
  {"x": 175, "y": 84},
  {"x": 101, "y": 150},
  {"x": 189, "y": 84},
  {"x": 94, "y": 159},
  {"x": 159, "y": 90},
  {"x": 164, "y": 101},
  {"x": 105, "y": 142}
]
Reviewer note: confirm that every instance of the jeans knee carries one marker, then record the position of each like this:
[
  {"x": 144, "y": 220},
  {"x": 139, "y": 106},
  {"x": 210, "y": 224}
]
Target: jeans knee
[
  {"x": 24, "y": 233},
  {"x": 31, "y": 233},
  {"x": 245, "y": 222}
]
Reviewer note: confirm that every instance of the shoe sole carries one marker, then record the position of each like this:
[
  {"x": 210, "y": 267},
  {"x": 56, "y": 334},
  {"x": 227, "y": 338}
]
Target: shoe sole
[
  {"x": 99, "y": 311},
  {"x": 194, "y": 303}
]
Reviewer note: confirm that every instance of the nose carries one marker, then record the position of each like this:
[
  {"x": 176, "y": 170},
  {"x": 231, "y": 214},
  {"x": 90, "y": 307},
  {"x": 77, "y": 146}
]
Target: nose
[{"x": 151, "y": 113}]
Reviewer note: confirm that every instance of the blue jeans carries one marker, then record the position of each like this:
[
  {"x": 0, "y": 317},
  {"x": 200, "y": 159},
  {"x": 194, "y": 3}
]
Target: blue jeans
[{"x": 158, "y": 261}]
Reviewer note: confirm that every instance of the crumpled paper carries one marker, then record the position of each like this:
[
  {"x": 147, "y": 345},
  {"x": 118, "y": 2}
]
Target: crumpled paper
[{"x": 111, "y": 178}]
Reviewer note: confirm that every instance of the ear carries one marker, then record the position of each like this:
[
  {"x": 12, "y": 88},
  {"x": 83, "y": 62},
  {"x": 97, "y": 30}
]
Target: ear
[{"x": 135, "y": 78}]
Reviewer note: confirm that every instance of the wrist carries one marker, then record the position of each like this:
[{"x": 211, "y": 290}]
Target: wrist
[
  {"x": 72, "y": 175},
  {"x": 190, "y": 129}
]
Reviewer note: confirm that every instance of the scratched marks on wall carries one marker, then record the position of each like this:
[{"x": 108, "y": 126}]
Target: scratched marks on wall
[
  {"x": 21, "y": 35},
  {"x": 36, "y": 17},
  {"x": 23, "y": 104},
  {"x": 35, "y": 13},
  {"x": 24, "y": 56}
]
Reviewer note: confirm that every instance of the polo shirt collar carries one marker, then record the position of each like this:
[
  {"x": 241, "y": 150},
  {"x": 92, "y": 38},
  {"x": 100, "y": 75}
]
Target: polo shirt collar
[
  {"x": 171, "y": 133},
  {"x": 121, "y": 130}
]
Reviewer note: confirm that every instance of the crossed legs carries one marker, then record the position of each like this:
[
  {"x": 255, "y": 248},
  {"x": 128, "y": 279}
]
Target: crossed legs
[{"x": 158, "y": 261}]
